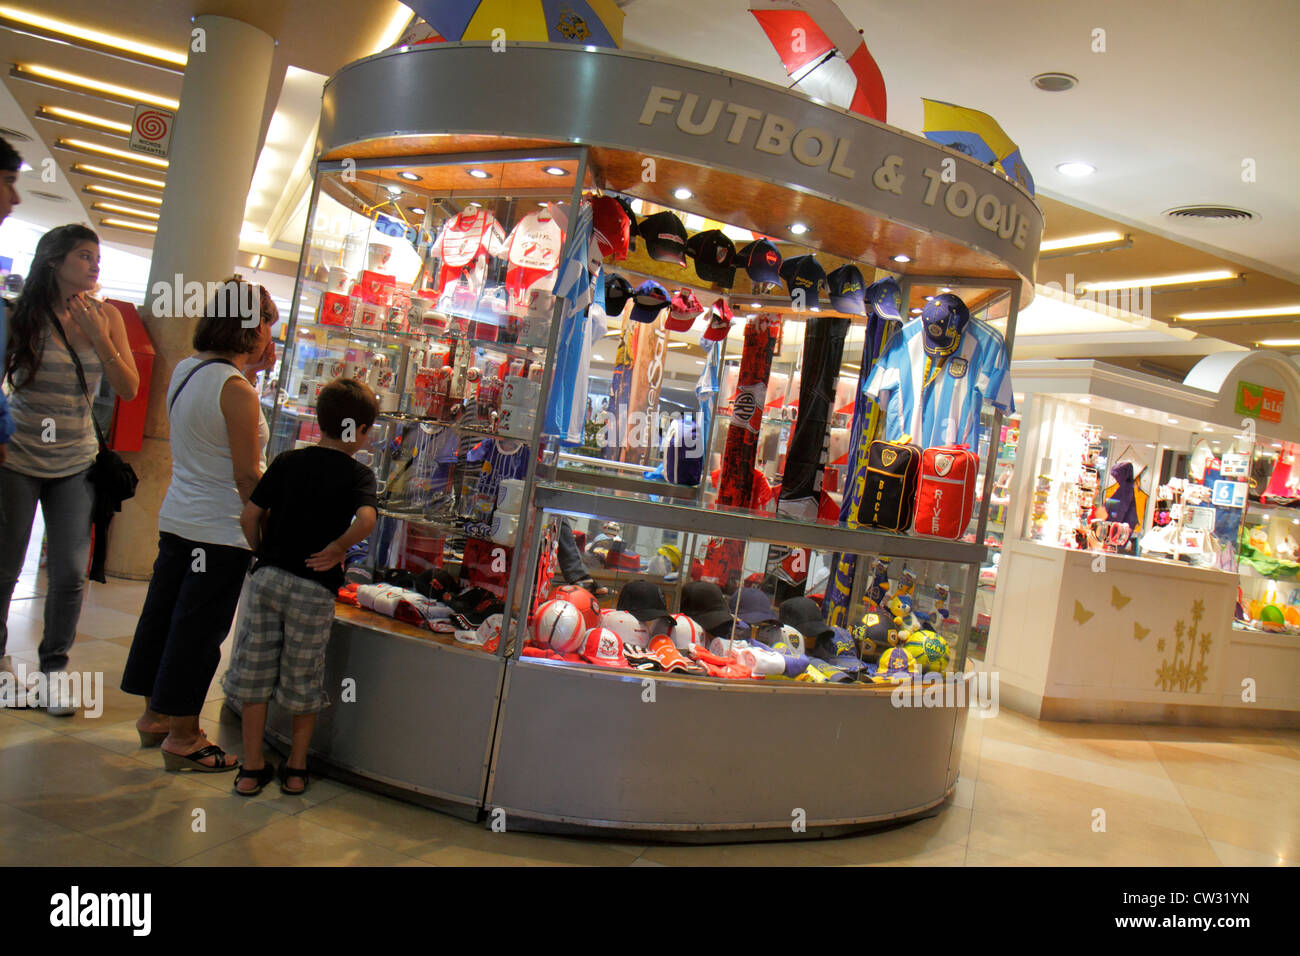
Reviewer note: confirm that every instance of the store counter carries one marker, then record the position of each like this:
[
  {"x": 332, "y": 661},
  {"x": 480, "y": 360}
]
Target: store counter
[{"x": 1126, "y": 639}]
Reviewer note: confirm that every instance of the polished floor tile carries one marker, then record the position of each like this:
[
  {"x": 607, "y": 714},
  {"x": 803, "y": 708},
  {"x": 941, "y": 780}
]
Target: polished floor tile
[{"x": 82, "y": 791}]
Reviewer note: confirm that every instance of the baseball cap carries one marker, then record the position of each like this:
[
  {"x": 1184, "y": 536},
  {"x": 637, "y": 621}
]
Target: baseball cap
[
  {"x": 704, "y": 602},
  {"x": 611, "y": 226},
  {"x": 631, "y": 218},
  {"x": 643, "y": 600},
  {"x": 945, "y": 318},
  {"x": 886, "y": 298},
  {"x": 753, "y": 606},
  {"x": 806, "y": 273},
  {"x": 839, "y": 650},
  {"x": 617, "y": 291},
  {"x": 894, "y": 665},
  {"x": 602, "y": 646},
  {"x": 761, "y": 261},
  {"x": 720, "y": 319},
  {"x": 665, "y": 237},
  {"x": 804, "y": 615},
  {"x": 651, "y": 298},
  {"x": 873, "y": 635},
  {"x": 684, "y": 309},
  {"x": 848, "y": 290},
  {"x": 715, "y": 256}
]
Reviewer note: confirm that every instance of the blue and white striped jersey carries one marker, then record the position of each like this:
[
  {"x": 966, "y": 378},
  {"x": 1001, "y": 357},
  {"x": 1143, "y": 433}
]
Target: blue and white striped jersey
[{"x": 947, "y": 412}]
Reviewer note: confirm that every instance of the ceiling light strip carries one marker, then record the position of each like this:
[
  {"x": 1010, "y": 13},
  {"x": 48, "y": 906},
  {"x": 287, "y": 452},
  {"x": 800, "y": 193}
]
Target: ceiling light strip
[
  {"x": 1186, "y": 278},
  {"x": 95, "y": 189},
  {"x": 76, "y": 83},
  {"x": 1262, "y": 313},
  {"x": 57, "y": 114},
  {"x": 100, "y": 172},
  {"x": 78, "y": 34},
  {"x": 112, "y": 207},
  {"x": 114, "y": 223},
  {"x": 109, "y": 152}
]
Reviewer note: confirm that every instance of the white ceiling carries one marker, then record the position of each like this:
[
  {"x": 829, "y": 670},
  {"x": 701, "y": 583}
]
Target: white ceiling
[{"x": 1184, "y": 92}]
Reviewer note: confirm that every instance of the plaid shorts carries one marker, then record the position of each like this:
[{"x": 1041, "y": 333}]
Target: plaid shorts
[{"x": 280, "y": 646}]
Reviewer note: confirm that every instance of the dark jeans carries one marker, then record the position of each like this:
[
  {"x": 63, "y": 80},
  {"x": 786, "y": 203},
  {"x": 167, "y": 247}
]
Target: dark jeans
[
  {"x": 66, "y": 505},
  {"x": 186, "y": 615}
]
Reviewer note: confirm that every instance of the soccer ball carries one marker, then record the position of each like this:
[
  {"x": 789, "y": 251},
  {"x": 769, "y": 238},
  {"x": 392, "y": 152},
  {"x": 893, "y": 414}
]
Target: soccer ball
[
  {"x": 929, "y": 650},
  {"x": 626, "y": 626},
  {"x": 558, "y": 625},
  {"x": 582, "y": 599},
  {"x": 686, "y": 632}
]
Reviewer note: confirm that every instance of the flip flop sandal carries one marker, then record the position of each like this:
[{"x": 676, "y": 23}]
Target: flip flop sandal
[
  {"x": 285, "y": 773},
  {"x": 192, "y": 762},
  {"x": 261, "y": 777},
  {"x": 150, "y": 738}
]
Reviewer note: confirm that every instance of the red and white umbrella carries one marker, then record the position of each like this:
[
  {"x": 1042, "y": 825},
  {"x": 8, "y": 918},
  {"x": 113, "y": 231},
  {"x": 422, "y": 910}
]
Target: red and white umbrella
[{"x": 824, "y": 53}]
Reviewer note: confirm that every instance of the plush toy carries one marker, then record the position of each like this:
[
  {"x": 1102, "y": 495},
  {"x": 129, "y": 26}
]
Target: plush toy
[
  {"x": 1258, "y": 539},
  {"x": 1286, "y": 549},
  {"x": 878, "y": 590}
]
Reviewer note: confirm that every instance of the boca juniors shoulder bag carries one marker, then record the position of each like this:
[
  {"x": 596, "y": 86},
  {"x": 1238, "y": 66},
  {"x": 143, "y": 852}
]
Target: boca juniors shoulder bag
[
  {"x": 945, "y": 497},
  {"x": 889, "y": 497}
]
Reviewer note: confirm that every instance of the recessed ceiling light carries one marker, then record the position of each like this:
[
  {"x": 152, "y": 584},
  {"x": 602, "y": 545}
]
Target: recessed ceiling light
[
  {"x": 555, "y": 171},
  {"x": 755, "y": 305},
  {"x": 1076, "y": 169},
  {"x": 415, "y": 211},
  {"x": 86, "y": 169},
  {"x": 97, "y": 190},
  {"x": 24, "y": 21},
  {"x": 480, "y": 174},
  {"x": 929, "y": 298},
  {"x": 945, "y": 289},
  {"x": 127, "y": 224},
  {"x": 126, "y": 95},
  {"x": 798, "y": 228},
  {"x": 1088, "y": 239},
  {"x": 1241, "y": 313},
  {"x": 1185, "y": 278},
  {"x": 916, "y": 311},
  {"x": 77, "y": 118},
  {"x": 108, "y": 152},
  {"x": 1055, "y": 82},
  {"x": 394, "y": 190},
  {"x": 902, "y": 258},
  {"x": 681, "y": 192},
  {"x": 409, "y": 176}
]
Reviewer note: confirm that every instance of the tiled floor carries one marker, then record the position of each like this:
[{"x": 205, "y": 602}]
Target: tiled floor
[{"x": 81, "y": 791}]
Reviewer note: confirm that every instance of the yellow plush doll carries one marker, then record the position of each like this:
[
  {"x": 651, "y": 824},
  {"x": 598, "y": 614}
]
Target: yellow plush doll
[{"x": 1258, "y": 539}]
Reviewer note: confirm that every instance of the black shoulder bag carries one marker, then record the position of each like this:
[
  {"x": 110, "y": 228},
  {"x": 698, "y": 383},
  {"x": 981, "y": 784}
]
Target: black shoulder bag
[{"x": 113, "y": 479}]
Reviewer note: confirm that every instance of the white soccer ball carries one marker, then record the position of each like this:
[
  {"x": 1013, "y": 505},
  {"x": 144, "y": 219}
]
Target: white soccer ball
[{"x": 558, "y": 625}]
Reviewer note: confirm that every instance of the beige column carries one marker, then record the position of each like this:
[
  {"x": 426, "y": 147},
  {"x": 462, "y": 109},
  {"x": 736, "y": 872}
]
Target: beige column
[{"x": 213, "y": 154}]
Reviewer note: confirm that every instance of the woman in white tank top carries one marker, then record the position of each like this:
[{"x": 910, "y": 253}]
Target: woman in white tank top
[{"x": 217, "y": 439}]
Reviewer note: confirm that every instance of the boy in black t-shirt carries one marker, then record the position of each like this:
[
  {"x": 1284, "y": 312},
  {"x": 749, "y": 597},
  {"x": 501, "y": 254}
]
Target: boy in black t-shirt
[{"x": 309, "y": 508}]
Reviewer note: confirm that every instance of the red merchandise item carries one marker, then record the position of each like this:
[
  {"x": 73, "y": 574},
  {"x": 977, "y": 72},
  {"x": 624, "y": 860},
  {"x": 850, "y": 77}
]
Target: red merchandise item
[
  {"x": 583, "y": 600},
  {"x": 946, "y": 490},
  {"x": 486, "y": 565},
  {"x": 348, "y": 594},
  {"x": 468, "y": 238},
  {"x": 335, "y": 309},
  {"x": 376, "y": 288},
  {"x": 611, "y": 227},
  {"x": 533, "y": 250}
]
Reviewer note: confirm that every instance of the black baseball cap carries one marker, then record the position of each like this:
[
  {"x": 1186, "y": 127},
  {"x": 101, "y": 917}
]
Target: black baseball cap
[
  {"x": 714, "y": 255},
  {"x": 617, "y": 291},
  {"x": 665, "y": 237},
  {"x": 806, "y": 273},
  {"x": 704, "y": 602},
  {"x": 805, "y": 616},
  {"x": 761, "y": 260},
  {"x": 848, "y": 290},
  {"x": 753, "y": 606},
  {"x": 643, "y": 600}
]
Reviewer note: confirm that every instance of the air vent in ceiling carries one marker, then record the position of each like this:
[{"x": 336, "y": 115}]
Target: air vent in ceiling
[
  {"x": 44, "y": 195},
  {"x": 13, "y": 134},
  {"x": 1199, "y": 213}
]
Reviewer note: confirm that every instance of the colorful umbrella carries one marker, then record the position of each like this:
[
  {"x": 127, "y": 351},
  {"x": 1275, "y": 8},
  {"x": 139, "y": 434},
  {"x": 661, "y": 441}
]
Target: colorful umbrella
[
  {"x": 978, "y": 135},
  {"x": 824, "y": 53},
  {"x": 591, "y": 22}
]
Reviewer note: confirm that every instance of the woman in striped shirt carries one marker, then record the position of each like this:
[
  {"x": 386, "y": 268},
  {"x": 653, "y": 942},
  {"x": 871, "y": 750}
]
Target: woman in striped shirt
[{"x": 49, "y": 458}]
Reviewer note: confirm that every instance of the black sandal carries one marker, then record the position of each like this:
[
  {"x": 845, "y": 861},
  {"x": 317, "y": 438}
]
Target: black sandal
[
  {"x": 286, "y": 772},
  {"x": 193, "y": 761},
  {"x": 262, "y": 777}
]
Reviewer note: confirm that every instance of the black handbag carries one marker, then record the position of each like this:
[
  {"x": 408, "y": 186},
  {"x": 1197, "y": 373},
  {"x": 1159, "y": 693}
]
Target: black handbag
[{"x": 112, "y": 478}]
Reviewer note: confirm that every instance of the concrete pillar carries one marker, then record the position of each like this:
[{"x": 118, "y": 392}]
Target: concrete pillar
[{"x": 213, "y": 154}]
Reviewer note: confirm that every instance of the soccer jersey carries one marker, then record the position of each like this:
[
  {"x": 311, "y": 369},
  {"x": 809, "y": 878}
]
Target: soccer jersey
[
  {"x": 946, "y": 410},
  {"x": 473, "y": 234},
  {"x": 533, "y": 249},
  {"x": 581, "y": 324}
]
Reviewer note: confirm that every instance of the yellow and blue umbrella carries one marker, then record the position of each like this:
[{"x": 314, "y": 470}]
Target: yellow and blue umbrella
[
  {"x": 978, "y": 135},
  {"x": 589, "y": 22}
]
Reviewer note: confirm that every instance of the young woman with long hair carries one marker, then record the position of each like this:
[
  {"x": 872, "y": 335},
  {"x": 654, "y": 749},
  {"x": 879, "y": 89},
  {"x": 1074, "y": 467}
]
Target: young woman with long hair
[{"x": 49, "y": 457}]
